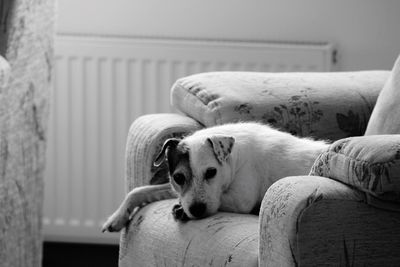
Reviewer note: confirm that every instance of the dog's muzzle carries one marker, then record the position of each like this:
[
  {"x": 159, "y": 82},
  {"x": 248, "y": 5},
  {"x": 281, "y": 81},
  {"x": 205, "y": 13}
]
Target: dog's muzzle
[{"x": 197, "y": 210}]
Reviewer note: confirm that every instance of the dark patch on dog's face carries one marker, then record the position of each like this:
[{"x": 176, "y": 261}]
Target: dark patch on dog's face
[
  {"x": 177, "y": 155},
  {"x": 179, "y": 168}
]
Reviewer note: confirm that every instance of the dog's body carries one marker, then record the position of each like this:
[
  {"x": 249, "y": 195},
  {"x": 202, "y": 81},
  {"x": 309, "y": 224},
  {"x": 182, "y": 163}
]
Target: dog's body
[{"x": 226, "y": 168}]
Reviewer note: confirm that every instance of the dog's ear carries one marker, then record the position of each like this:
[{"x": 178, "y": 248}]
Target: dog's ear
[
  {"x": 169, "y": 143},
  {"x": 222, "y": 146}
]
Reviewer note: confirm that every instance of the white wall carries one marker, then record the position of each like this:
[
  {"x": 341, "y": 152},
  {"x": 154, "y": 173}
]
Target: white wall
[{"x": 367, "y": 32}]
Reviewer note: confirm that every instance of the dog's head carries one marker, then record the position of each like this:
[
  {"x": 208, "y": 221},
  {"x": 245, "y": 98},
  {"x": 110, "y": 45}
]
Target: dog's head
[{"x": 200, "y": 171}]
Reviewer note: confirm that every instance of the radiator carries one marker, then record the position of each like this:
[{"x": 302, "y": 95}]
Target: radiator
[{"x": 101, "y": 85}]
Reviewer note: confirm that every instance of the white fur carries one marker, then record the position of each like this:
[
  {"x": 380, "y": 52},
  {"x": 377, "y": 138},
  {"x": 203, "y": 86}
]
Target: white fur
[{"x": 261, "y": 155}]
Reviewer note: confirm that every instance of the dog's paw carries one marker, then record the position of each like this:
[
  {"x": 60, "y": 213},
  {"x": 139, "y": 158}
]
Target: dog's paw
[
  {"x": 179, "y": 214},
  {"x": 115, "y": 222}
]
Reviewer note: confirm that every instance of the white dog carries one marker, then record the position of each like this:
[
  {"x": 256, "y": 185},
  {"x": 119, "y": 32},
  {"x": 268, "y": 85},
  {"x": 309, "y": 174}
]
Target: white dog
[{"x": 222, "y": 168}]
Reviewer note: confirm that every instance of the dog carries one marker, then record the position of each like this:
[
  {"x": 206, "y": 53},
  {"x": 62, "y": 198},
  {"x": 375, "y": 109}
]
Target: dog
[{"x": 222, "y": 168}]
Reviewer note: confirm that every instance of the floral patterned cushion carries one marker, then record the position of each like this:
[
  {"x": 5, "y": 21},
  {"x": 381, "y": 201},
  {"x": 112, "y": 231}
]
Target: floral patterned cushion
[
  {"x": 368, "y": 163},
  {"x": 385, "y": 117},
  {"x": 323, "y": 105}
]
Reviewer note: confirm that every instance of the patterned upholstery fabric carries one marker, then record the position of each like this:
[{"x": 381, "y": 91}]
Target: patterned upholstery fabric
[
  {"x": 26, "y": 43},
  {"x": 154, "y": 238},
  {"x": 385, "y": 117},
  {"x": 295, "y": 102},
  {"x": 316, "y": 221},
  {"x": 280, "y": 212},
  {"x": 368, "y": 163}
]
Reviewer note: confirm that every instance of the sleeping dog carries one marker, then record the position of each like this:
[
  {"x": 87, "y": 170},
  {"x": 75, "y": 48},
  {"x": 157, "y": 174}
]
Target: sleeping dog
[{"x": 222, "y": 168}]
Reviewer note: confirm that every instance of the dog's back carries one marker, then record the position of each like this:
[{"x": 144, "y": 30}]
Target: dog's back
[{"x": 269, "y": 153}]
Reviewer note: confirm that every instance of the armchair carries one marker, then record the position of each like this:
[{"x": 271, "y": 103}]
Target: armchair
[
  {"x": 26, "y": 51},
  {"x": 303, "y": 220}
]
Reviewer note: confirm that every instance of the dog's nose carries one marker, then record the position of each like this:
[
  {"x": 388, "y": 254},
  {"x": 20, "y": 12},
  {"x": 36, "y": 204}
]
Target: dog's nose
[{"x": 198, "y": 209}]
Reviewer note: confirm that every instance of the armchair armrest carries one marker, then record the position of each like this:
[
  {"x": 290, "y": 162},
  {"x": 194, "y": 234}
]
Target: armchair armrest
[
  {"x": 316, "y": 221},
  {"x": 145, "y": 138},
  {"x": 5, "y": 72},
  {"x": 323, "y": 105}
]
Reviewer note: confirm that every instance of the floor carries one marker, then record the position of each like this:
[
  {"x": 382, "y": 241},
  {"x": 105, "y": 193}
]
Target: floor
[{"x": 79, "y": 255}]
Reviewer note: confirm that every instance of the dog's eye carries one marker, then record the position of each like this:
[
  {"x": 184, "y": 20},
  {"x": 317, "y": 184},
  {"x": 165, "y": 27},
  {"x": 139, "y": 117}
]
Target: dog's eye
[
  {"x": 179, "y": 178},
  {"x": 210, "y": 173}
]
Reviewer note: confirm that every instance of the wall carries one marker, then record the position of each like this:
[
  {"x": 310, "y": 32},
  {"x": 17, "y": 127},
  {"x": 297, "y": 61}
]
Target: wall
[{"x": 366, "y": 31}]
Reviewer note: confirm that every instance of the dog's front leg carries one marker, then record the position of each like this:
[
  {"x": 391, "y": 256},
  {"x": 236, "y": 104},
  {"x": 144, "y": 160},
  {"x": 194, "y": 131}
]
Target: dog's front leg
[{"x": 136, "y": 198}]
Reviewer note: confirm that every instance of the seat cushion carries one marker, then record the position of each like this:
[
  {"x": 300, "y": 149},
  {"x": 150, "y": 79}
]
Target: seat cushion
[
  {"x": 154, "y": 238},
  {"x": 385, "y": 117},
  {"x": 323, "y": 105},
  {"x": 369, "y": 163}
]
